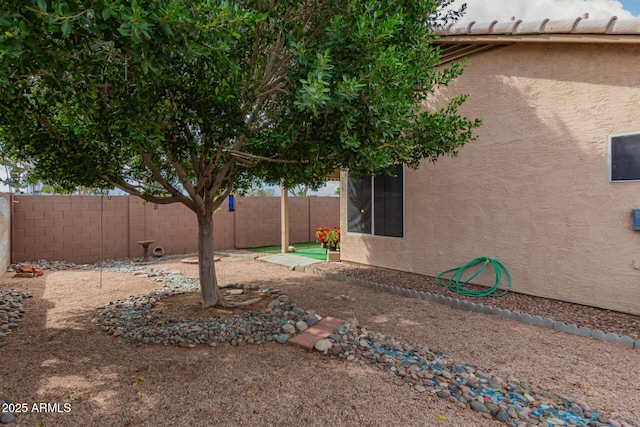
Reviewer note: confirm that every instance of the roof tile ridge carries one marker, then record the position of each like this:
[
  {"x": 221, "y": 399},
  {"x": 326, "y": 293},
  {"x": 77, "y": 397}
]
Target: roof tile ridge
[
  {"x": 516, "y": 24},
  {"x": 532, "y": 27},
  {"x": 611, "y": 24},
  {"x": 469, "y": 25},
  {"x": 629, "y": 26},
  {"x": 574, "y": 27},
  {"x": 491, "y": 26},
  {"x": 543, "y": 24}
]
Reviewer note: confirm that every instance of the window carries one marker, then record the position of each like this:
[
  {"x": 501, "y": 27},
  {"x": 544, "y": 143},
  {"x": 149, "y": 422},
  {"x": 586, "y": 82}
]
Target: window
[
  {"x": 375, "y": 205},
  {"x": 624, "y": 157}
]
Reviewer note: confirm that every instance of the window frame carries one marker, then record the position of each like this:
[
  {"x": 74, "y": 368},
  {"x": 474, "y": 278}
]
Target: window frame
[
  {"x": 373, "y": 225},
  {"x": 610, "y": 157}
]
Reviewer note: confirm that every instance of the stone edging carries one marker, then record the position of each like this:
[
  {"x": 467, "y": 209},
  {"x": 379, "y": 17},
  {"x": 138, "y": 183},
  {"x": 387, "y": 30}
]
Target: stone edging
[{"x": 543, "y": 322}]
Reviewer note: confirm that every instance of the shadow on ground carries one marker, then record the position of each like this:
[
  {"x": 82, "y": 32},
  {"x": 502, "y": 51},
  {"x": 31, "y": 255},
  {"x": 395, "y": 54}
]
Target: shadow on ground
[{"x": 107, "y": 381}]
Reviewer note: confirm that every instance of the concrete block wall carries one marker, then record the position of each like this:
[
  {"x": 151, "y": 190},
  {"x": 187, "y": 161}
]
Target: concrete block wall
[
  {"x": 174, "y": 227},
  {"x": 257, "y": 221},
  {"x": 69, "y": 227},
  {"x": 324, "y": 212},
  {"x": 305, "y": 215},
  {"x": 299, "y": 219}
]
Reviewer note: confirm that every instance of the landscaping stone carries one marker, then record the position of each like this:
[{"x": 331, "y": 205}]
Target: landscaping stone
[
  {"x": 288, "y": 328},
  {"x": 425, "y": 370},
  {"x": 11, "y": 310},
  {"x": 626, "y": 341},
  {"x": 584, "y": 332},
  {"x": 611, "y": 337},
  {"x": 514, "y": 315},
  {"x": 6, "y": 417},
  {"x": 323, "y": 345},
  {"x": 503, "y": 416},
  {"x": 478, "y": 407},
  {"x": 283, "y": 338}
]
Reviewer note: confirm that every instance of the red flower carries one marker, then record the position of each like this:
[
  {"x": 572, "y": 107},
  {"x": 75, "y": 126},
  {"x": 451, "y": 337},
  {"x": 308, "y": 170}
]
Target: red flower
[{"x": 328, "y": 235}]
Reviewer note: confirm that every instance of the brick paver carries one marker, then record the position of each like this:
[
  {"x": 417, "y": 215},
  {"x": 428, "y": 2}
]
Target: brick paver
[{"x": 321, "y": 330}]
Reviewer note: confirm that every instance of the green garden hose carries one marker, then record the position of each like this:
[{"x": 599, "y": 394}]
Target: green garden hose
[{"x": 456, "y": 284}]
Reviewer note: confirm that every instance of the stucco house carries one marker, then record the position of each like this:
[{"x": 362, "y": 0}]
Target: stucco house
[{"x": 549, "y": 186}]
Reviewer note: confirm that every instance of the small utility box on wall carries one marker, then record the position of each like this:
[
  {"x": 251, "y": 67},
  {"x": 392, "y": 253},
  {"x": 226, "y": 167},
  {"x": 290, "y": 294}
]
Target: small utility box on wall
[{"x": 636, "y": 218}]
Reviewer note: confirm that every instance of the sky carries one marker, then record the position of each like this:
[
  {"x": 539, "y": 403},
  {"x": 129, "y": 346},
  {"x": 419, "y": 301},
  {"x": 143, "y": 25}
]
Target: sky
[{"x": 530, "y": 10}]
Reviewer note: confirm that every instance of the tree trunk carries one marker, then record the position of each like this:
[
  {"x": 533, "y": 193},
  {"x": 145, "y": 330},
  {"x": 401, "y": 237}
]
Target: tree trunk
[{"x": 208, "y": 282}]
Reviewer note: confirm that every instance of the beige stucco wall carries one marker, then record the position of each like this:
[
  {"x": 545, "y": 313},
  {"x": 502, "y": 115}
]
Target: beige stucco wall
[
  {"x": 533, "y": 190},
  {"x": 5, "y": 232}
]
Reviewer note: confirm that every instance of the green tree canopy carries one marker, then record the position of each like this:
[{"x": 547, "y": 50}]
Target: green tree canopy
[{"x": 181, "y": 100}]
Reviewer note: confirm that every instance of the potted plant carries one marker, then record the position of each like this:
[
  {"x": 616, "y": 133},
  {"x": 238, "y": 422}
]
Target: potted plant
[
  {"x": 320, "y": 235},
  {"x": 332, "y": 238}
]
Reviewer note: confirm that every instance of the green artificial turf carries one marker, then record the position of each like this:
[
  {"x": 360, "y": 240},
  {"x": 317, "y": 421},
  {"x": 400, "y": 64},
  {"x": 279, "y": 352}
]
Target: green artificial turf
[{"x": 309, "y": 250}]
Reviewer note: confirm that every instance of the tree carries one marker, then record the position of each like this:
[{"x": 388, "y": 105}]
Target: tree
[
  {"x": 299, "y": 190},
  {"x": 181, "y": 100},
  {"x": 259, "y": 191},
  {"x": 13, "y": 174}
]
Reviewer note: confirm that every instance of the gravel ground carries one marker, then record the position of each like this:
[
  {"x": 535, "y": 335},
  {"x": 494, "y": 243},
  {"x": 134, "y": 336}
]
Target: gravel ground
[
  {"x": 580, "y": 315},
  {"x": 57, "y": 355}
]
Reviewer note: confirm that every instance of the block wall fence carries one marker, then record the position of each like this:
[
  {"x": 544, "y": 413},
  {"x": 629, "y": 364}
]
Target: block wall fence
[{"x": 81, "y": 229}]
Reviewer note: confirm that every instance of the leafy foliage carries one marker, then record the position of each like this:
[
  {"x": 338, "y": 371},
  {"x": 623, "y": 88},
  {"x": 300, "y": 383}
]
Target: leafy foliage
[
  {"x": 179, "y": 96},
  {"x": 181, "y": 100}
]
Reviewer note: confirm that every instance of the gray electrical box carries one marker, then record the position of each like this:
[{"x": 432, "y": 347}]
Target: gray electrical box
[{"x": 636, "y": 218}]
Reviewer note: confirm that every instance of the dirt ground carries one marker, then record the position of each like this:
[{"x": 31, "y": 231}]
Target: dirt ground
[{"x": 58, "y": 356}]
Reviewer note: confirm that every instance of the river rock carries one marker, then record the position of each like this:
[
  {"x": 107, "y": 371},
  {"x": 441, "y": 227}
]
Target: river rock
[
  {"x": 323, "y": 345},
  {"x": 288, "y": 328},
  {"x": 283, "y": 338},
  {"x": 478, "y": 407}
]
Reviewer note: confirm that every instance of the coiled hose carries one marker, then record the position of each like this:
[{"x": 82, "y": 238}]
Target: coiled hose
[{"x": 456, "y": 284}]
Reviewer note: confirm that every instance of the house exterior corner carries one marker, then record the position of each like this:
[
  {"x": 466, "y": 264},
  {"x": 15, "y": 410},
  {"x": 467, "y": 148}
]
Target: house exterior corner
[{"x": 533, "y": 191}]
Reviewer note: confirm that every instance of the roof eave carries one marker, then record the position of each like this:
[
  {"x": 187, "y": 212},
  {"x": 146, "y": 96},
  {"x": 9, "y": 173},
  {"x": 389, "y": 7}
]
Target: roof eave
[{"x": 539, "y": 38}]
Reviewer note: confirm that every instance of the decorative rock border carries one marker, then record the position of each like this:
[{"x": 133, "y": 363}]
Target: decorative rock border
[
  {"x": 426, "y": 371},
  {"x": 543, "y": 322},
  {"x": 11, "y": 310}
]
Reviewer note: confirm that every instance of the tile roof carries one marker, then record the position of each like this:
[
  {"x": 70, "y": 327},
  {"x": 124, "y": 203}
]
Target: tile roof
[{"x": 580, "y": 25}]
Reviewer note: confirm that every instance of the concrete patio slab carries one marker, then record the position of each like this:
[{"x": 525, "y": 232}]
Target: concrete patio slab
[{"x": 290, "y": 260}]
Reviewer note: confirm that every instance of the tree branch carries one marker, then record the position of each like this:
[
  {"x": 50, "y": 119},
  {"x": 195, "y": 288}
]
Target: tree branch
[
  {"x": 158, "y": 176},
  {"x": 46, "y": 124},
  {"x": 197, "y": 164},
  {"x": 245, "y": 162},
  {"x": 260, "y": 128},
  {"x": 224, "y": 195},
  {"x": 272, "y": 59},
  {"x": 206, "y": 175},
  {"x": 279, "y": 88},
  {"x": 220, "y": 177},
  {"x": 184, "y": 179},
  {"x": 130, "y": 189},
  {"x": 247, "y": 156},
  {"x": 252, "y": 61}
]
